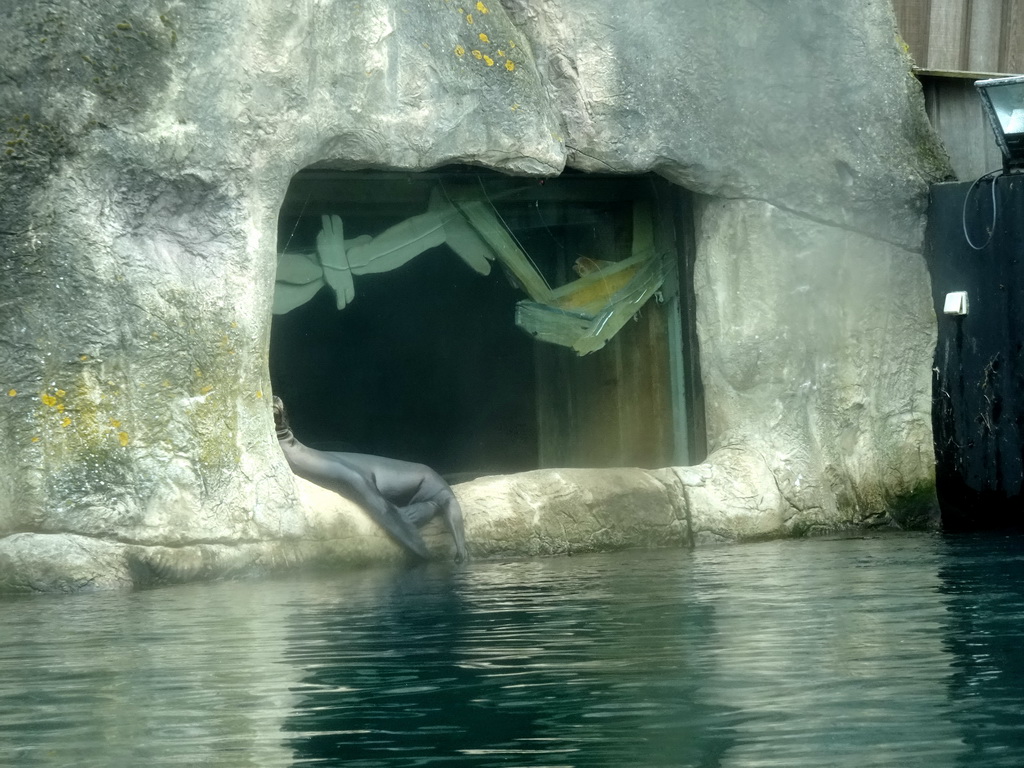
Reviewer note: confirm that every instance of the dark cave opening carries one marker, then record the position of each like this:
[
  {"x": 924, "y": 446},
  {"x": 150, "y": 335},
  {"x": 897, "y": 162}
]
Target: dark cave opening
[
  {"x": 424, "y": 365},
  {"x": 425, "y": 361}
]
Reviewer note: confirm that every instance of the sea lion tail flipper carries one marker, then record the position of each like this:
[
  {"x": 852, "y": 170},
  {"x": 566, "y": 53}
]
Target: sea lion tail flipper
[{"x": 453, "y": 517}]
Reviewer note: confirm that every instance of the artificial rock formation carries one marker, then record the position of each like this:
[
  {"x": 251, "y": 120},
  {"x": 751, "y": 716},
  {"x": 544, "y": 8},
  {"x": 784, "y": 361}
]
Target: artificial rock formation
[{"x": 147, "y": 150}]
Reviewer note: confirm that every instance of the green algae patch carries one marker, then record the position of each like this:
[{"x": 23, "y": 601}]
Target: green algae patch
[
  {"x": 84, "y": 416},
  {"x": 917, "y": 509},
  {"x": 83, "y": 435}
]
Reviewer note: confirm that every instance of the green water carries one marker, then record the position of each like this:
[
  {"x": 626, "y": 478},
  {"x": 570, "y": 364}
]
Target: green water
[{"x": 901, "y": 650}]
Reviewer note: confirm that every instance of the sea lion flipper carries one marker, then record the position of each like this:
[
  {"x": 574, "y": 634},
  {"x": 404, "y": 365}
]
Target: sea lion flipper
[{"x": 400, "y": 530}]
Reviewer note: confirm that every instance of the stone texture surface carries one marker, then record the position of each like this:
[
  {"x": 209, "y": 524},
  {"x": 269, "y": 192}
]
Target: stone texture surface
[
  {"x": 148, "y": 147},
  {"x": 811, "y": 342}
]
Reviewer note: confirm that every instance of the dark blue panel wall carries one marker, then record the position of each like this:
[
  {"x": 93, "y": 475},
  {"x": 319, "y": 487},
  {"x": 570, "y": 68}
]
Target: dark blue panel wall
[{"x": 978, "y": 410}]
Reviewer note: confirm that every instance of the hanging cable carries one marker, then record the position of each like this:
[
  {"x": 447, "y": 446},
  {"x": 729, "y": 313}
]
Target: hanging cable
[
  {"x": 992, "y": 175},
  {"x": 512, "y": 234},
  {"x": 297, "y": 220}
]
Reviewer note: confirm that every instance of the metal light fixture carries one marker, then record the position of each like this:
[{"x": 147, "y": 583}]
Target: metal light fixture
[{"x": 1003, "y": 100}]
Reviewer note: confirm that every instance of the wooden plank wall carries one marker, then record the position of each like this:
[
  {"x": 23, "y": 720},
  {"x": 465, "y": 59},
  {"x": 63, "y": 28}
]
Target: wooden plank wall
[
  {"x": 971, "y": 36},
  {"x": 626, "y": 405},
  {"x": 954, "y": 109},
  {"x": 612, "y": 408}
]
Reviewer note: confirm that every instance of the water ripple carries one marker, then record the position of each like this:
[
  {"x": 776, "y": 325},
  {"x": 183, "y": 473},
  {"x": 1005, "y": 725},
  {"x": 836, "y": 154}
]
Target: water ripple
[{"x": 897, "y": 650}]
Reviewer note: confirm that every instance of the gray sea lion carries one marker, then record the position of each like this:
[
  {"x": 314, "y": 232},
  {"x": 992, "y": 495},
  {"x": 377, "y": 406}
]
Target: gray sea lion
[{"x": 398, "y": 495}]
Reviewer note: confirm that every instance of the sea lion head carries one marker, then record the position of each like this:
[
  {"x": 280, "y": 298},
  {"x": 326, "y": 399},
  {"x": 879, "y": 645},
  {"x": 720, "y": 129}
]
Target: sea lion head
[{"x": 284, "y": 430}]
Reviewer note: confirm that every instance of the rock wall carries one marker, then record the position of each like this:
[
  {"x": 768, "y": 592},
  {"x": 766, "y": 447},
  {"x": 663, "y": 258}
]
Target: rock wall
[{"x": 147, "y": 149}]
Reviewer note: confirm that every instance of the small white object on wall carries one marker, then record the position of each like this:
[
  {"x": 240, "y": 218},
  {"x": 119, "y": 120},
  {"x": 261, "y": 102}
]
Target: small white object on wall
[{"x": 956, "y": 303}]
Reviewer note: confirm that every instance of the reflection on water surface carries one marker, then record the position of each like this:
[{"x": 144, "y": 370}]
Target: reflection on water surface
[{"x": 887, "y": 651}]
